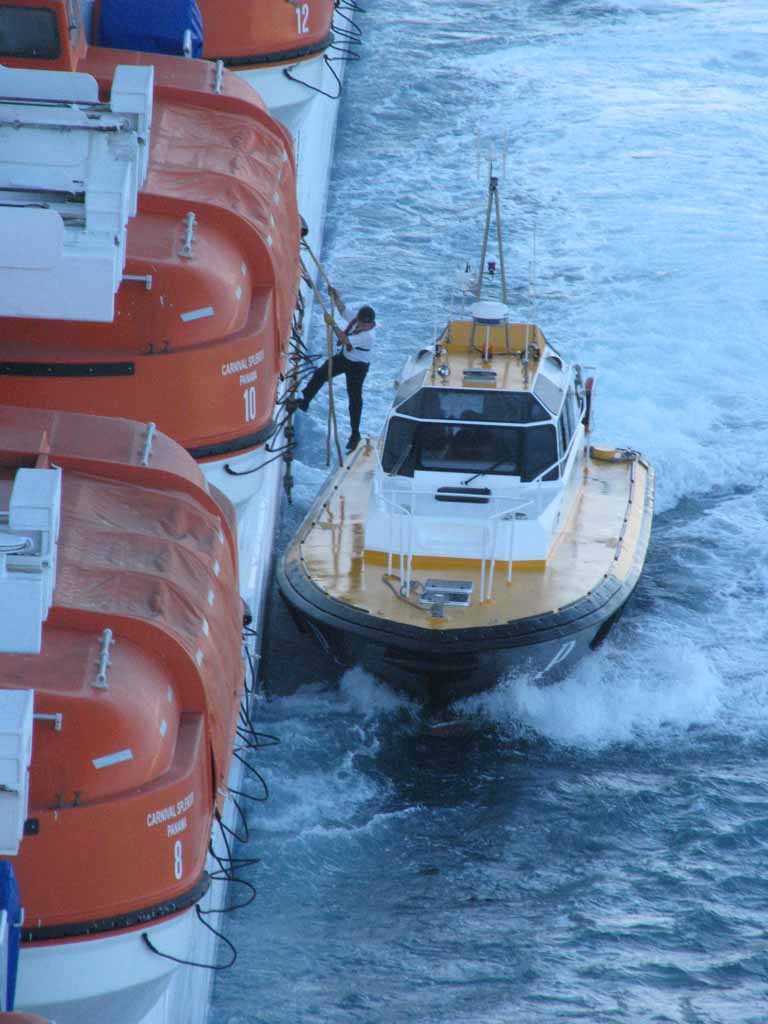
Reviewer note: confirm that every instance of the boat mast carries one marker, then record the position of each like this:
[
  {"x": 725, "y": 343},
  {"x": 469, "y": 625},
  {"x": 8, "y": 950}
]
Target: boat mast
[
  {"x": 493, "y": 206},
  {"x": 531, "y": 306}
]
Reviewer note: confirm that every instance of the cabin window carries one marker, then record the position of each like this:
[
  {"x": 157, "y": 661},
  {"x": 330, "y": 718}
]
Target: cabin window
[
  {"x": 540, "y": 452},
  {"x": 548, "y": 391},
  {"x": 571, "y": 410},
  {"x": 469, "y": 446},
  {"x": 399, "y": 455},
  {"x": 568, "y": 421},
  {"x": 30, "y": 33},
  {"x": 562, "y": 430}
]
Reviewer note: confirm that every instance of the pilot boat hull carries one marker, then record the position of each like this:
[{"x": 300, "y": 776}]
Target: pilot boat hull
[
  {"x": 328, "y": 582},
  {"x": 437, "y": 670}
]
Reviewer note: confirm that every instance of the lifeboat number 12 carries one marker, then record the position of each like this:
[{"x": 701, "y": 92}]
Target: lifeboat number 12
[
  {"x": 249, "y": 399},
  {"x": 302, "y": 19}
]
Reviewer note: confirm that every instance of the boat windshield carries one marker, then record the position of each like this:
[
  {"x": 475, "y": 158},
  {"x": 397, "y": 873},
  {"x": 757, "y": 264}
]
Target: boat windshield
[
  {"x": 463, "y": 430},
  {"x": 469, "y": 446}
]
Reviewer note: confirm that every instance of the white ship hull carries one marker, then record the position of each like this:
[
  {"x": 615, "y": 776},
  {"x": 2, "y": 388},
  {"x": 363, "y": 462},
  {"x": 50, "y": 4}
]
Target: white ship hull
[
  {"x": 310, "y": 115},
  {"x": 113, "y": 978}
]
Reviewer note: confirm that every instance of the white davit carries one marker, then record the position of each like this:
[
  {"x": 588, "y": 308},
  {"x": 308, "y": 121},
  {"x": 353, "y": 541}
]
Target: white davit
[{"x": 70, "y": 172}]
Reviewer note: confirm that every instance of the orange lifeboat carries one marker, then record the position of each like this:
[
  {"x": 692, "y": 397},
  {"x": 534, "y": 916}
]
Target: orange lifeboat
[
  {"x": 204, "y": 301},
  {"x": 22, "y": 1018},
  {"x": 136, "y": 691},
  {"x": 271, "y": 32}
]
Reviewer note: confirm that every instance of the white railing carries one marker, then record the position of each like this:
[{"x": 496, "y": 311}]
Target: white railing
[
  {"x": 509, "y": 516},
  {"x": 401, "y": 521},
  {"x": 405, "y": 516}
]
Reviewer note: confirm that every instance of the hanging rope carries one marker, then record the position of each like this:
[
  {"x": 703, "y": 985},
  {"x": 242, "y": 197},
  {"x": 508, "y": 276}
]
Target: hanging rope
[
  {"x": 332, "y": 331},
  {"x": 321, "y": 270},
  {"x": 192, "y": 963},
  {"x": 331, "y": 426},
  {"x": 349, "y": 36}
]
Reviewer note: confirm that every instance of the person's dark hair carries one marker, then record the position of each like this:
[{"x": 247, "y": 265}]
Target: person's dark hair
[{"x": 366, "y": 314}]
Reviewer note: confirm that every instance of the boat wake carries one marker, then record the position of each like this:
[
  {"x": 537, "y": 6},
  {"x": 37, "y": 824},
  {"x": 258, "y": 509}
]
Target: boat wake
[{"x": 611, "y": 699}]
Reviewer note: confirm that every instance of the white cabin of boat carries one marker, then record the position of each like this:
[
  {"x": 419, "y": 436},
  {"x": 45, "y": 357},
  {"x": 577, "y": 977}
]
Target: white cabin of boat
[{"x": 483, "y": 450}]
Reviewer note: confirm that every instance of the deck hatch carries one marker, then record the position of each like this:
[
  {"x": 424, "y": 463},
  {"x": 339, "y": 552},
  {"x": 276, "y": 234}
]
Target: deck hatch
[
  {"x": 447, "y": 592},
  {"x": 479, "y": 376}
]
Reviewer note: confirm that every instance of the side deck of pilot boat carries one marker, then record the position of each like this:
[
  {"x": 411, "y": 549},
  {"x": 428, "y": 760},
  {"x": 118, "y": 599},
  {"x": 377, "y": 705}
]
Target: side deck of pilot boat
[{"x": 440, "y": 625}]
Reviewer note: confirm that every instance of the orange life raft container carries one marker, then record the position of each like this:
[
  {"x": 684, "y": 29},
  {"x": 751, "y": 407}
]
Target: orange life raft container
[
  {"x": 204, "y": 311},
  {"x": 138, "y": 683}
]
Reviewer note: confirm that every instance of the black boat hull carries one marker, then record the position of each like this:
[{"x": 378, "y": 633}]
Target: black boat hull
[{"x": 439, "y": 667}]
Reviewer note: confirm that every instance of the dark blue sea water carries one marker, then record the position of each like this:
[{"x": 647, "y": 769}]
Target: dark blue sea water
[{"x": 595, "y": 851}]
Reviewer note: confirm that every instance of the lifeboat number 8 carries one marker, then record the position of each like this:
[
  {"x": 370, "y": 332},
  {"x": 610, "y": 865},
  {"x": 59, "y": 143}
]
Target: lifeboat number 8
[
  {"x": 302, "y": 19},
  {"x": 178, "y": 863}
]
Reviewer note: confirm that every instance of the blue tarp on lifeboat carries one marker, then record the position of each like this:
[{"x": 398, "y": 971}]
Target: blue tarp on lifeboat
[
  {"x": 10, "y": 933},
  {"x": 151, "y": 27}
]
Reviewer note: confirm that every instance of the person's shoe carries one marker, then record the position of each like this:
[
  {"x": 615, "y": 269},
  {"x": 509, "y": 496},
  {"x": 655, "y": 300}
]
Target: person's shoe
[{"x": 353, "y": 442}]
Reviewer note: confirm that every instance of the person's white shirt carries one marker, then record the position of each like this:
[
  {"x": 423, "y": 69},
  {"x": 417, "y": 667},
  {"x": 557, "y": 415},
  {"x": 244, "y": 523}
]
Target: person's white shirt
[{"x": 362, "y": 343}]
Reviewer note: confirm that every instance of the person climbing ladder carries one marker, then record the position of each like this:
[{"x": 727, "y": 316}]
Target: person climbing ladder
[{"x": 353, "y": 360}]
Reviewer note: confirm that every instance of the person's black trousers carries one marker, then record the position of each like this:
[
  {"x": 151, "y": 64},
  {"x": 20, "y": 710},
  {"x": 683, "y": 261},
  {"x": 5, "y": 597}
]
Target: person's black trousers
[{"x": 355, "y": 374}]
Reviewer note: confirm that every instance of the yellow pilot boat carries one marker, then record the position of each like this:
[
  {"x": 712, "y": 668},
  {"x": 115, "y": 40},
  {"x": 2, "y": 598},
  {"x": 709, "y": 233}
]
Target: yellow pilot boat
[{"x": 482, "y": 534}]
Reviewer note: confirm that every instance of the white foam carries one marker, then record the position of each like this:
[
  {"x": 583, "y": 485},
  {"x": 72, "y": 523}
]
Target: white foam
[
  {"x": 612, "y": 697},
  {"x": 372, "y": 698}
]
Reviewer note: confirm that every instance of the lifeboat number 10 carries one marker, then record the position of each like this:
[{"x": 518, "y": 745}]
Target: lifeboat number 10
[
  {"x": 249, "y": 400},
  {"x": 302, "y": 19}
]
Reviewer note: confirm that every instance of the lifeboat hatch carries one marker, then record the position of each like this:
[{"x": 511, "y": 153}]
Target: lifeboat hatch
[{"x": 439, "y": 593}]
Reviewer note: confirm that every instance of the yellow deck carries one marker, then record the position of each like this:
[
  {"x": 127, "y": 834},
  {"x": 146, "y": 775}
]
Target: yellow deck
[
  {"x": 458, "y": 355},
  {"x": 604, "y": 534}
]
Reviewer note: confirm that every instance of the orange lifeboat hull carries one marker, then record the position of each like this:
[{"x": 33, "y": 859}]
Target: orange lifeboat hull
[
  {"x": 270, "y": 32},
  {"x": 204, "y": 313},
  {"x": 124, "y": 787}
]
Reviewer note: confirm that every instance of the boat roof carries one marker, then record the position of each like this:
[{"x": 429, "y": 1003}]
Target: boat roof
[{"x": 474, "y": 356}]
